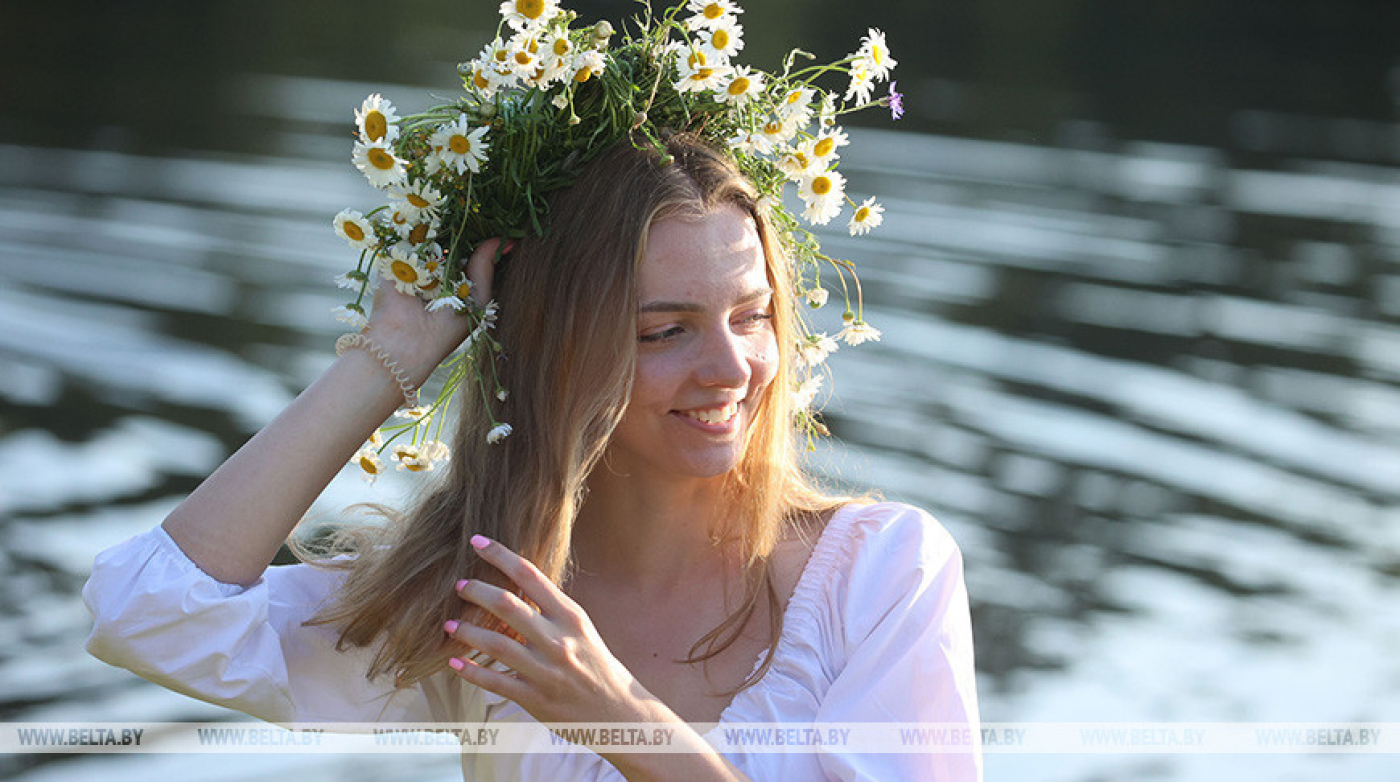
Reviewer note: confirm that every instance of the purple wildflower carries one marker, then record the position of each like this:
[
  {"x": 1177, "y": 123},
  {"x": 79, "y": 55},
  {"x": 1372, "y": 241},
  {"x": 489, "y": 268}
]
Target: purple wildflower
[{"x": 896, "y": 101}]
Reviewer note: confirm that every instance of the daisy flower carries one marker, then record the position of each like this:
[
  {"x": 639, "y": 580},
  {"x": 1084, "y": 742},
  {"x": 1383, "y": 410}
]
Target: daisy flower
[
  {"x": 702, "y": 77},
  {"x": 558, "y": 51},
  {"x": 485, "y": 79},
  {"x": 498, "y": 433},
  {"x": 710, "y": 13},
  {"x": 859, "y": 331},
  {"x": 435, "y": 451},
  {"x": 815, "y": 348},
  {"x": 353, "y": 314},
  {"x": 875, "y": 55},
  {"x": 824, "y": 146},
  {"x": 528, "y": 14},
  {"x": 458, "y": 146},
  {"x": 404, "y": 270},
  {"x": 796, "y": 105},
  {"x": 350, "y": 280},
  {"x": 798, "y": 164},
  {"x": 779, "y": 130},
  {"x": 376, "y": 118},
  {"x": 868, "y": 215},
  {"x": 588, "y": 64},
  {"x": 352, "y": 226},
  {"x": 366, "y": 459},
  {"x": 525, "y": 56},
  {"x": 418, "y": 231},
  {"x": 722, "y": 41},
  {"x": 413, "y": 413},
  {"x": 461, "y": 291},
  {"x": 751, "y": 141},
  {"x": 862, "y": 84},
  {"x": 826, "y": 115},
  {"x": 418, "y": 201},
  {"x": 823, "y": 195},
  {"x": 379, "y": 163},
  {"x": 411, "y": 458},
  {"x": 743, "y": 85},
  {"x": 816, "y": 297},
  {"x": 805, "y": 393}
]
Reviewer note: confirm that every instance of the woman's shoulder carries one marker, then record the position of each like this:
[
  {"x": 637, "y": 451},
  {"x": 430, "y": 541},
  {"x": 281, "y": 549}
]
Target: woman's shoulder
[
  {"x": 877, "y": 553},
  {"x": 871, "y": 529}
]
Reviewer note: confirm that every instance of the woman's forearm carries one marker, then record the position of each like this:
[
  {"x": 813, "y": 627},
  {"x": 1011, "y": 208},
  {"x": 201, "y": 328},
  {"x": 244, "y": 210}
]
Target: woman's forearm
[{"x": 234, "y": 522}]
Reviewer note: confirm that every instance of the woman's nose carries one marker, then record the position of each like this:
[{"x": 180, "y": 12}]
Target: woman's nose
[{"x": 725, "y": 362}]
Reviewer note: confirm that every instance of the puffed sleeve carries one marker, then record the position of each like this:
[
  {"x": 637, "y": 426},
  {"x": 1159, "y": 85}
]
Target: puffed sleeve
[
  {"x": 907, "y": 634},
  {"x": 158, "y": 615}
]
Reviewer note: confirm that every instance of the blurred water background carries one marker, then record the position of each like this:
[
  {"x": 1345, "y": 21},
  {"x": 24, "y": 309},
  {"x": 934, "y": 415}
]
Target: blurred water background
[{"x": 1139, "y": 282}]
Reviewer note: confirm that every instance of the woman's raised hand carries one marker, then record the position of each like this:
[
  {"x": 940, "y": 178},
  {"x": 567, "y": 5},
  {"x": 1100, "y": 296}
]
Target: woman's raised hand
[
  {"x": 564, "y": 671},
  {"x": 419, "y": 340}
]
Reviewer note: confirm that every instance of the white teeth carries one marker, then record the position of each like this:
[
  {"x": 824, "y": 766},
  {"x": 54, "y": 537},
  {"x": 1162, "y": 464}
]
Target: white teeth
[{"x": 715, "y": 416}]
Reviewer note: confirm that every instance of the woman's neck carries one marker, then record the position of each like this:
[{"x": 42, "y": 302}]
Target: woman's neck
[{"x": 641, "y": 535}]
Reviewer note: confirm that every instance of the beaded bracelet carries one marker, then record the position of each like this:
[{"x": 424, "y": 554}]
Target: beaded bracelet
[{"x": 362, "y": 340}]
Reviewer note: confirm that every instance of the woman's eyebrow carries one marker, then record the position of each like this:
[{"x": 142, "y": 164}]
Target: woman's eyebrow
[{"x": 691, "y": 306}]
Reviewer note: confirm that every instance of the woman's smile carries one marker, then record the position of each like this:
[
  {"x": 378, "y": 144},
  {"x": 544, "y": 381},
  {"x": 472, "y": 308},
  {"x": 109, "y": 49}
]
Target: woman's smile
[{"x": 706, "y": 349}]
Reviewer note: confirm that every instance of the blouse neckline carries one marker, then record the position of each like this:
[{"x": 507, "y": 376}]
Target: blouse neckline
[{"x": 803, "y": 601}]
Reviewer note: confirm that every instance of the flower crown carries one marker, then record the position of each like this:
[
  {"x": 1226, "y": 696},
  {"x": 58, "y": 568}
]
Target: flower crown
[{"x": 546, "y": 99}]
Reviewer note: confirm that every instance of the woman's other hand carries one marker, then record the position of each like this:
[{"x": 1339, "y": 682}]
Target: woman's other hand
[
  {"x": 564, "y": 671},
  {"x": 418, "y": 339}
]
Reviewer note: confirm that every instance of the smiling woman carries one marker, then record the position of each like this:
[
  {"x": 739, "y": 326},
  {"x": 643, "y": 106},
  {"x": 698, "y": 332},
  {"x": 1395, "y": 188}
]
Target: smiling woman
[{"x": 644, "y": 546}]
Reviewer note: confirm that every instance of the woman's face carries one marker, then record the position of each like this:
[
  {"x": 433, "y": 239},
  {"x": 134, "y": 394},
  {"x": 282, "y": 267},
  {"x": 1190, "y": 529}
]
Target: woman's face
[{"x": 706, "y": 350}]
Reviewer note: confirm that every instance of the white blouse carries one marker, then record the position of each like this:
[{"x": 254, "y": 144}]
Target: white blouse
[{"x": 877, "y": 630}]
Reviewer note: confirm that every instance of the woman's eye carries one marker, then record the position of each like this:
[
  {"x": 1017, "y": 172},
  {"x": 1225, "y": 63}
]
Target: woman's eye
[
  {"x": 754, "y": 318},
  {"x": 658, "y": 336}
]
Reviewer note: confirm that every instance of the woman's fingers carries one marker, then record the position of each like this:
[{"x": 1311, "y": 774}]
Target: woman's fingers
[
  {"x": 553, "y": 603},
  {"x": 481, "y": 267}
]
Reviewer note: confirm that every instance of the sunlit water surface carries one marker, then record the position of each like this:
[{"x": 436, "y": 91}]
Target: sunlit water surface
[{"x": 1156, "y": 399}]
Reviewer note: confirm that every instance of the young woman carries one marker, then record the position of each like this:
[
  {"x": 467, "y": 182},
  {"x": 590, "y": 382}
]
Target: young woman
[{"x": 644, "y": 547}]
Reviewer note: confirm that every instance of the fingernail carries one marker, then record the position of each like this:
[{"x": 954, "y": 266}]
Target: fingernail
[
  {"x": 462, "y": 584},
  {"x": 480, "y": 542},
  {"x": 451, "y": 626},
  {"x": 456, "y": 664}
]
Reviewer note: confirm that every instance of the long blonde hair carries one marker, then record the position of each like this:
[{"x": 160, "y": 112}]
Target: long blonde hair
[{"x": 567, "y": 324}]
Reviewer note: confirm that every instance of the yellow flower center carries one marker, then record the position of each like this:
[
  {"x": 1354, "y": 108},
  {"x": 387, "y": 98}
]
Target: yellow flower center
[
  {"x": 418, "y": 235},
  {"x": 530, "y": 9},
  {"x": 877, "y": 53},
  {"x": 380, "y": 159},
  {"x": 523, "y": 57},
  {"x": 773, "y": 128},
  {"x": 821, "y": 185},
  {"x": 862, "y": 214},
  {"x": 794, "y": 97},
  {"x": 702, "y": 74},
  {"x": 368, "y": 465},
  {"x": 561, "y": 46},
  {"x": 696, "y": 59},
  {"x": 463, "y": 289},
  {"x": 419, "y": 201},
  {"x": 404, "y": 272},
  {"x": 353, "y": 231},
  {"x": 739, "y": 86},
  {"x": 801, "y": 159},
  {"x": 459, "y": 144},
  {"x": 376, "y": 126},
  {"x": 824, "y": 147},
  {"x": 713, "y": 11},
  {"x": 501, "y": 55},
  {"x": 720, "y": 40},
  {"x": 480, "y": 81},
  {"x": 413, "y": 465},
  {"x": 398, "y": 218},
  {"x": 584, "y": 74}
]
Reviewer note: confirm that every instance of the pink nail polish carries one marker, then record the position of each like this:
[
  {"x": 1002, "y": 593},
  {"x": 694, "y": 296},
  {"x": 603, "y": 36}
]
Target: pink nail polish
[
  {"x": 451, "y": 626},
  {"x": 462, "y": 584},
  {"x": 480, "y": 542},
  {"x": 456, "y": 664}
]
